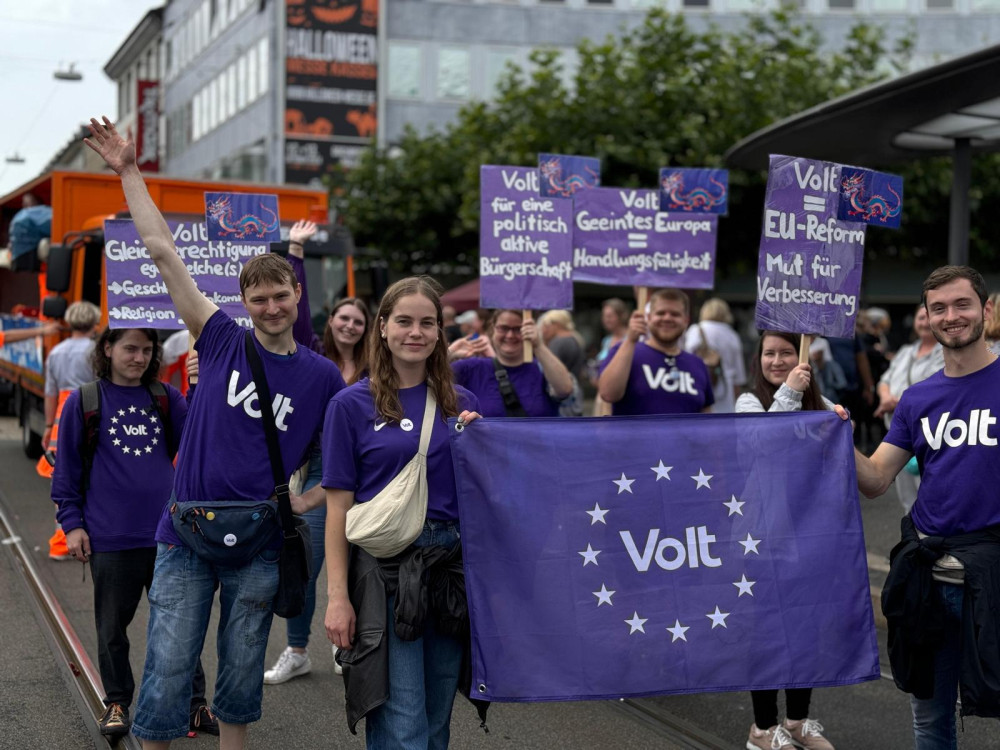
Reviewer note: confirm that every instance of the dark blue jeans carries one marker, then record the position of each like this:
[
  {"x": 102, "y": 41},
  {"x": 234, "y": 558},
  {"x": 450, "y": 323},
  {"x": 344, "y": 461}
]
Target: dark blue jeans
[
  {"x": 423, "y": 677},
  {"x": 934, "y": 718}
]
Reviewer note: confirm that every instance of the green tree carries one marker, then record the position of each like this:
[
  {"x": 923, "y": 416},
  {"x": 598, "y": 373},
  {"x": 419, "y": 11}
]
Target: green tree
[{"x": 658, "y": 95}]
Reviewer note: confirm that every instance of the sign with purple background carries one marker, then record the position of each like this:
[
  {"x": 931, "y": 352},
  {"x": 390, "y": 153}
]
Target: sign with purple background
[
  {"x": 242, "y": 217},
  {"x": 872, "y": 197},
  {"x": 564, "y": 176},
  {"x": 137, "y": 296},
  {"x": 620, "y": 237},
  {"x": 809, "y": 269},
  {"x": 700, "y": 191},
  {"x": 525, "y": 242}
]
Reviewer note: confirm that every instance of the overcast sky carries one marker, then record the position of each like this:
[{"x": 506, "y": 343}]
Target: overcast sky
[{"x": 37, "y": 37}]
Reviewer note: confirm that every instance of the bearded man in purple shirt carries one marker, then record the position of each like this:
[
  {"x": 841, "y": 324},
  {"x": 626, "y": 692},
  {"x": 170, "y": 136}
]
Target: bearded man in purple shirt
[
  {"x": 223, "y": 458},
  {"x": 655, "y": 375},
  {"x": 942, "y": 594}
]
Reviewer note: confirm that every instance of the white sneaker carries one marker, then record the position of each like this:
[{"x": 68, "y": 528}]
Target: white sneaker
[
  {"x": 336, "y": 667},
  {"x": 290, "y": 664}
]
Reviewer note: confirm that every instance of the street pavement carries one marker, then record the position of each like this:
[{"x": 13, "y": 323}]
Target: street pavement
[{"x": 37, "y": 708}]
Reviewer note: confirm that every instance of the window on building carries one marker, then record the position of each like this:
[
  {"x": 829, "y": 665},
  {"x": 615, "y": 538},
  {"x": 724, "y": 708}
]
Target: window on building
[
  {"x": 695, "y": 3},
  {"x": 241, "y": 82},
  {"x": 251, "y": 75},
  {"x": 404, "y": 70},
  {"x": 890, "y": 6},
  {"x": 453, "y": 73},
  {"x": 600, "y": 2},
  {"x": 496, "y": 66},
  {"x": 223, "y": 91},
  {"x": 987, "y": 5},
  {"x": 264, "y": 66},
  {"x": 231, "y": 73},
  {"x": 940, "y": 4},
  {"x": 841, "y": 4}
]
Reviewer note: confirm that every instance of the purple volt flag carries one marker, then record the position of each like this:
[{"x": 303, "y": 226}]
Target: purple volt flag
[
  {"x": 700, "y": 191},
  {"x": 670, "y": 554},
  {"x": 242, "y": 217},
  {"x": 809, "y": 269},
  {"x": 872, "y": 197},
  {"x": 137, "y": 296},
  {"x": 563, "y": 176},
  {"x": 525, "y": 242},
  {"x": 620, "y": 237}
]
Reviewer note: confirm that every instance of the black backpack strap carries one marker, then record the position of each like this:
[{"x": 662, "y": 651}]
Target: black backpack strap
[
  {"x": 271, "y": 433},
  {"x": 511, "y": 403},
  {"x": 90, "y": 406},
  {"x": 161, "y": 402}
]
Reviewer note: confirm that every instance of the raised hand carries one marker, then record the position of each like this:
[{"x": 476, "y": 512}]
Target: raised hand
[
  {"x": 302, "y": 231},
  {"x": 117, "y": 152}
]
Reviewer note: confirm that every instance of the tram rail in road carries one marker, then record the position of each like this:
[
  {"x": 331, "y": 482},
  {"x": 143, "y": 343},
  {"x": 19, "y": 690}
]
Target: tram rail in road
[{"x": 79, "y": 670}]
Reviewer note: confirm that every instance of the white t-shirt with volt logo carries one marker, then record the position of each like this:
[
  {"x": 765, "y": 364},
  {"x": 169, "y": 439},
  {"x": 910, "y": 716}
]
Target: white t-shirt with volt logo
[{"x": 951, "y": 426}]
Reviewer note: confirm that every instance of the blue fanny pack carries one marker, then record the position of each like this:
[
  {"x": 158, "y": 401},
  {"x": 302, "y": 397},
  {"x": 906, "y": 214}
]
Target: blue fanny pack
[{"x": 226, "y": 533}]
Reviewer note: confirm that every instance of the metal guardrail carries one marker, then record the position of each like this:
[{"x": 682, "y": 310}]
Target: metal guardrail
[{"x": 59, "y": 633}]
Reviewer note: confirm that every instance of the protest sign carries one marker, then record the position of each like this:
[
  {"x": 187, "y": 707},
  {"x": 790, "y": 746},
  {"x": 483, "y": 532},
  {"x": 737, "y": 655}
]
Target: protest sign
[
  {"x": 137, "y": 296},
  {"x": 704, "y": 191},
  {"x": 564, "y": 176},
  {"x": 621, "y": 237},
  {"x": 525, "y": 242},
  {"x": 242, "y": 217},
  {"x": 872, "y": 197},
  {"x": 671, "y": 554},
  {"x": 809, "y": 269},
  {"x": 27, "y": 353}
]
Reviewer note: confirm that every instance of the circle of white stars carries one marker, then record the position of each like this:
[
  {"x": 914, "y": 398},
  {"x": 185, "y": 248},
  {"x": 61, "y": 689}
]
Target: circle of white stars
[
  {"x": 122, "y": 420},
  {"x": 678, "y": 631}
]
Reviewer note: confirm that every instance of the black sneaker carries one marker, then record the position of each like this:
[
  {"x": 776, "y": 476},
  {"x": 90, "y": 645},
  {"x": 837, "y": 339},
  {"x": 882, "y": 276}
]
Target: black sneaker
[
  {"x": 203, "y": 721},
  {"x": 114, "y": 722}
]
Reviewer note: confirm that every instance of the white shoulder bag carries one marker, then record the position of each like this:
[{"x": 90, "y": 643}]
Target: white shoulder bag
[{"x": 387, "y": 524}]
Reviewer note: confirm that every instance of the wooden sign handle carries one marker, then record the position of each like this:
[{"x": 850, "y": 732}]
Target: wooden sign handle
[
  {"x": 804, "y": 343},
  {"x": 528, "y": 354},
  {"x": 641, "y": 298},
  {"x": 191, "y": 343}
]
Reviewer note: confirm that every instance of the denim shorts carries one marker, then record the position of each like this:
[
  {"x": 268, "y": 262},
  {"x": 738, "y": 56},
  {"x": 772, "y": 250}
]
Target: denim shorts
[{"x": 180, "y": 602}]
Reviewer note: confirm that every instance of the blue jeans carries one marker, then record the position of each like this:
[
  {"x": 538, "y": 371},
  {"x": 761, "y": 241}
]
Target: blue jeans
[
  {"x": 934, "y": 718},
  {"x": 180, "y": 605},
  {"x": 423, "y": 677},
  {"x": 299, "y": 627}
]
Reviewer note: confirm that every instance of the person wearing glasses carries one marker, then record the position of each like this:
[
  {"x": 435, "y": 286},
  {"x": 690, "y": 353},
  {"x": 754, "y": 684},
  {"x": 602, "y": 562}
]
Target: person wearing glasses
[{"x": 506, "y": 385}]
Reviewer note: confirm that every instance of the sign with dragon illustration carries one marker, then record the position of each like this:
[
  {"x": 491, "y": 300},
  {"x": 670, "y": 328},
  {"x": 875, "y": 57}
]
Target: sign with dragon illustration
[
  {"x": 331, "y": 84},
  {"x": 696, "y": 191},
  {"x": 809, "y": 269},
  {"x": 242, "y": 217},
  {"x": 563, "y": 176},
  {"x": 620, "y": 236},
  {"x": 875, "y": 198},
  {"x": 525, "y": 242},
  {"x": 137, "y": 296}
]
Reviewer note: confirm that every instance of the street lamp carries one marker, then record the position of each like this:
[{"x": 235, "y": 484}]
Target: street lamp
[{"x": 71, "y": 74}]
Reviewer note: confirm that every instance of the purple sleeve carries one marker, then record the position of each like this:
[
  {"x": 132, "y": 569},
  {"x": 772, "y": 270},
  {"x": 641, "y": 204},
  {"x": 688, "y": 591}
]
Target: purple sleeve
[
  {"x": 67, "y": 479},
  {"x": 178, "y": 414},
  {"x": 340, "y": 464},
  {"x": 302, "y": 331},
  {"x": 899, "y": 432}
]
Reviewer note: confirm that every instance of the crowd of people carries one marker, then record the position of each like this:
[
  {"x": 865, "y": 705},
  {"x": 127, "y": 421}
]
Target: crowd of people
[{"x": 355, "y": 405}]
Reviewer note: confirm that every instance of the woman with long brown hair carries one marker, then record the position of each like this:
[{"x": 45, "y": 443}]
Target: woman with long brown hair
[
  {"x": 781, "y": 384},
  {"x": 372, "y": 430}
]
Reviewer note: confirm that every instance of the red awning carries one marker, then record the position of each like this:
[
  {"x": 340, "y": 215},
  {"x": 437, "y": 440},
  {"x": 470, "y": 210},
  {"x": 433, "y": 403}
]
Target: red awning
[{"x": 464, "y": 297}]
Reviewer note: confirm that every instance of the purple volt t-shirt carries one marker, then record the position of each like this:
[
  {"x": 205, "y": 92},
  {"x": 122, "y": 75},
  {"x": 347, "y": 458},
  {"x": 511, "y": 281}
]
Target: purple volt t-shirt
[
  {"x": 132, "y": 473},
  {"x": 662, "y": 384},
  {"x": 478, "y": 375},
  {"x": 362, "y": 452},
  {"x": 223, "y": 455},
  {"x": 951, "y": 426}
]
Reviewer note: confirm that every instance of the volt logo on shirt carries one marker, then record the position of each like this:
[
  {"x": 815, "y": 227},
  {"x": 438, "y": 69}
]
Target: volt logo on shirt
[
  {"x": 281, "y": 407},
  {"x": 955, "y": 432},
  {"x": 672, "y": 381}
]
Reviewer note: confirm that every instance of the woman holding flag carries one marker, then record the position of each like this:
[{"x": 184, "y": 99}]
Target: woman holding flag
[
  {"x": 507, "y": 385},
  {"x": 781, "y": 384}
]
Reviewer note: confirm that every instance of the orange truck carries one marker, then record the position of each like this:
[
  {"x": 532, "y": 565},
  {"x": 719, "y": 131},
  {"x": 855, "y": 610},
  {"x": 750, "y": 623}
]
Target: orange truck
[{"x": 74, "y": 267}]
